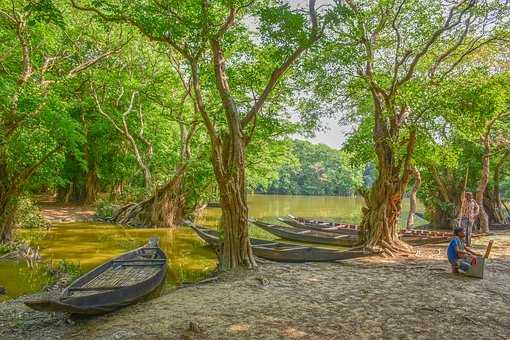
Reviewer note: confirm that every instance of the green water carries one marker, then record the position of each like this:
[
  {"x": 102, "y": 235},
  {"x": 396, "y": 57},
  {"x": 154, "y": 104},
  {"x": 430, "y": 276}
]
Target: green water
[{"x": 90, "y": 244}]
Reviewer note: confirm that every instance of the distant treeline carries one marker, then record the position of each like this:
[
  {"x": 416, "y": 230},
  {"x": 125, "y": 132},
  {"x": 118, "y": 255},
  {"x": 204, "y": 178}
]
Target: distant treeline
[{"x": 317, "y": 169}]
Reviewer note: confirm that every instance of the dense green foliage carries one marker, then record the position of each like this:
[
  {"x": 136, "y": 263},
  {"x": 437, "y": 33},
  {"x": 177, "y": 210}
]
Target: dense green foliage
[
  {"x": 315, "y": 169},
  {"x": 172, "y": 104}
]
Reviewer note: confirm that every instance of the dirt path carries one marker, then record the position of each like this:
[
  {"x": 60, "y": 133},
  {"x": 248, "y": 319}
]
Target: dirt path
[
  {"x": 59, "y": 212},
  {"x": 409, "y": 298}
]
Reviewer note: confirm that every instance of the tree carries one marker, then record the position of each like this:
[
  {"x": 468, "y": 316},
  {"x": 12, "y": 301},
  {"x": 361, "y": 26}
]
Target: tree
[
  {"x": 148, "y": 98},
  {"x": 470, "y": 113},
  {"x": 401, "y": 43},
  {"x": 207, "y": 35},
  {"x": 493, "y": 203},
  {"x": 41, "y": 56}
]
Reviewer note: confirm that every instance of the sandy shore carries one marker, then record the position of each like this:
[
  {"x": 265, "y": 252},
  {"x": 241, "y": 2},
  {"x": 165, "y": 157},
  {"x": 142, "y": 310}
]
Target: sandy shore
[{"x": 404, "y": 298}]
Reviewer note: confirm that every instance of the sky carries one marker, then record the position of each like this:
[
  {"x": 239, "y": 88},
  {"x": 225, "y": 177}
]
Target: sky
[{"x": 334, "y": 135}]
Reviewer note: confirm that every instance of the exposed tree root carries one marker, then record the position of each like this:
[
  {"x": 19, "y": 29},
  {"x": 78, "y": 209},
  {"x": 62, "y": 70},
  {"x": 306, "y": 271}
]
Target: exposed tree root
[{"x": 165, "y": 208}]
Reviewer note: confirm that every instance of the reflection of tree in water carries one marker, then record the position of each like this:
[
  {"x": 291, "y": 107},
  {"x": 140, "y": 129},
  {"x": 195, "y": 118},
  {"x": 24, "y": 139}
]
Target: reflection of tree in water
[{"x": 18, "y": 278}]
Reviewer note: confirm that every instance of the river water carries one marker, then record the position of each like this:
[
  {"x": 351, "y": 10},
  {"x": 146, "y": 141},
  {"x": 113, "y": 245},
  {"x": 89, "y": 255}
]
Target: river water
[{"x": 90, "y": 244}]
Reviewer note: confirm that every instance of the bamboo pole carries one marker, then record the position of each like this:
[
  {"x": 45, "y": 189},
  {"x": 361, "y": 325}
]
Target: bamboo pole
[
  {"x": 488, "y": 250},
  {"x": 462, "y": 199}
]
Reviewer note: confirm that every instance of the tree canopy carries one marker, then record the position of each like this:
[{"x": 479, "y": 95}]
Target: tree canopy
[{"x": 166, "y": 105}]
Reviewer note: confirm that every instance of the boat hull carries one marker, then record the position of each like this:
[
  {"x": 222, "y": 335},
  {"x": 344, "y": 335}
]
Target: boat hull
[
  {"x": 77, "y": 298},
  {"x": 346, "y": 229},
  {"x": 284, "y": 252},
  {"x": 307, "y": 235}
]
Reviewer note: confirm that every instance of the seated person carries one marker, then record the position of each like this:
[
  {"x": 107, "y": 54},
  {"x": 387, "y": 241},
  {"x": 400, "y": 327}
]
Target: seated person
[{"x": 460, "y": 256}]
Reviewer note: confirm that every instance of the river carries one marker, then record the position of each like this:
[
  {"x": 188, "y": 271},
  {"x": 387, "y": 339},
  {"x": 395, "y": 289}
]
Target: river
[{"x": 90, "y": 244}]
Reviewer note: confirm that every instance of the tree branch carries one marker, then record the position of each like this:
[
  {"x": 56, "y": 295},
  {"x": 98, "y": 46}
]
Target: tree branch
[
  {"x": 28, "y": 172},
  {"x": 85, "y": 65},
  {"x": 278, "y": 72},
  {"x": 447, "y": 25},
  {"x": 140, "y": 27},
  {"x": 199, "y": 101}
]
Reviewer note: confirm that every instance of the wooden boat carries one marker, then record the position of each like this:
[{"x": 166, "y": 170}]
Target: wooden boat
[
  {"x": 299, "y": 222},
  {"x": 308, "y": 235},
  {"x": 352, "y": 229},
  {"x": 305, "y": 234},
  {"x": 284, "y": 252},
  {"x": 114, "y": 284},
  {"x": 499, "y": 227}
]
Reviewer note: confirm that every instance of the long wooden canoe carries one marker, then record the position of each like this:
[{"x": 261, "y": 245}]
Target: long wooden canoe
[
  {"x": 114, "y": 284},
  {"x": 352, "y": 229},
  {"x": 499, "y": 226},
  {"x": 308, "y": 235},
  {"x": 299, "y": 222},
  {"x": 284, "y": 252}
]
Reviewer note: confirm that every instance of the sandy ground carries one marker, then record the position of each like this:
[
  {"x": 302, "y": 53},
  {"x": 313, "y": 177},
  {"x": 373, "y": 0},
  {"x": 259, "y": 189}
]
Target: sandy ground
[
  {"x": 403, "y": 298},
  {"x": 58, "y": 212}
]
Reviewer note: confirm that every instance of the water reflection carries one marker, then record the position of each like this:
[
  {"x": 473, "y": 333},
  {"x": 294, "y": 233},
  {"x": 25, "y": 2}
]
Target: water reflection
[{"x": 90, "y": 244}]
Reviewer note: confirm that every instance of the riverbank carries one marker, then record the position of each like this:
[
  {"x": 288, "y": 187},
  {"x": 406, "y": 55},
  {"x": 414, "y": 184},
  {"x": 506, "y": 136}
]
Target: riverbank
[
  {"x": 413, "y": 297},
  {"x": 56, "y": 212}
]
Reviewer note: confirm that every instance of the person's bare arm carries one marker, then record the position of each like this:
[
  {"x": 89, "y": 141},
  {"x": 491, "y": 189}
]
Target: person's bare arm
[
  {"x": 471, "y": 251},
  {"x": 460, "y": 253}
]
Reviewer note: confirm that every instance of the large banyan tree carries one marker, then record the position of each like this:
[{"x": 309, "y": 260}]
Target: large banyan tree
[
  {"x": 398, "y": 44},
  {"x": 234, "y": 72}
]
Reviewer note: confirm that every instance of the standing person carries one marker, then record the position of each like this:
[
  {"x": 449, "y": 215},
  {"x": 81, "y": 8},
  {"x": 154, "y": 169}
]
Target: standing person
[
  {"x": 459, "y": 255},
  {"x": 470, "y": 211}
]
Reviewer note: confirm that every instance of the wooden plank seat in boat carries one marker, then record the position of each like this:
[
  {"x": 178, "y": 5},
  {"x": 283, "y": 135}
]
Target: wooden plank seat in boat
[{"x": 139, "y": 260}]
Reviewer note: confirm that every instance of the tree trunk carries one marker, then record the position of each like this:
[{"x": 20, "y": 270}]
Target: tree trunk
[
  {"x": 8, "y": 199},
  {"x": 380, "y": 217},
  {"x": 230, "y": 175},
  {"x": 482, "y": 186},
  {"x": 91, "y": 187},
  {"x": 384, "y": 201},
  {"x": 412, "y": 198},
  {"x": 494, "y": 204},
  {"x": 441, "y": 218},
  {"x": 165, "y": 208},
  {"x": 491, "y": 207},
  {"x": 7, "y": 213},
  {"x": 443, "y": 196}
]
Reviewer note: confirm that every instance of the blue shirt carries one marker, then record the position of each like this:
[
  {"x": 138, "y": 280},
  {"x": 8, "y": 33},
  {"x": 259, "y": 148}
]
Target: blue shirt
[{"x": 452, "y": 249}]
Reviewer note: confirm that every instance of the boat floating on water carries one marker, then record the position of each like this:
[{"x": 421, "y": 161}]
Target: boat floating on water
[
  {"x": 114, "y": 284},
  {"x": 284, "y": 252}
]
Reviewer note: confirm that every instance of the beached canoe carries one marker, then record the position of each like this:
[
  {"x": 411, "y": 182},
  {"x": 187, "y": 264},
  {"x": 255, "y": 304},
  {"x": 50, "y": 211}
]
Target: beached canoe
[
  {"x": 499, "y": 226},
  {"x": 352, "y": 229},
  {"x": 114, "y": 284},
  {"x": 308, "y": 235},
  {"x": 299, "y": 222},
  {"x": 284, "y": 252}
]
